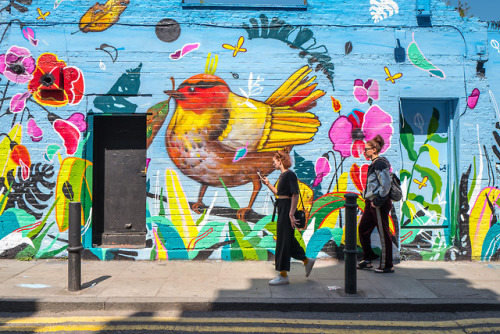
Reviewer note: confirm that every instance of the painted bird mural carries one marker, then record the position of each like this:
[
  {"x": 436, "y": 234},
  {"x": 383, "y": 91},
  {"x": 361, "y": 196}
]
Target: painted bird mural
[{"x": 211, "y": 125}]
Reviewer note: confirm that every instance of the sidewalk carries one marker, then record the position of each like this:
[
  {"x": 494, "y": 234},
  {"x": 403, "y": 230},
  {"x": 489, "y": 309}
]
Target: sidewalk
[{"x": 217, "y": 285}]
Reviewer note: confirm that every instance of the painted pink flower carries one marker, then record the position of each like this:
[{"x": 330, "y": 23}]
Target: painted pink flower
[
  {"x": 17, "y": 64},
  {"x": 78, "y": 120},
  {"x": 322, "y": 169},
  {"x": 350, "y": 133},
  {"x": 18, "y": 102},
  {"x": 34, "y": 130},
  {"x": 365, "y": 90}
]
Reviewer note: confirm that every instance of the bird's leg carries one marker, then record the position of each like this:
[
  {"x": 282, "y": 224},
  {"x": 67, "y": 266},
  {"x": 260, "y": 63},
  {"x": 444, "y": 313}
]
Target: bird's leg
[
  {"x": 195, "y": 207},
  {"x": 256, "y": 188}
]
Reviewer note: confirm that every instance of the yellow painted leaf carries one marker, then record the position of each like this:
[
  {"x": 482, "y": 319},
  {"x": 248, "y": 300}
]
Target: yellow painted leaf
[
  {"x": 331, "y": 219},
  {"x": 101, "y": 17},
  {"x": 341, "y": 185},
  {"x": 434, "y": 154},
  {"x": 480, "y": 218},
  {"x": 6, "y": 163},
  {"x": 413, "y": 210},
  {"x": 72, "y": 186},
  {"x": 180, "y": 214}
]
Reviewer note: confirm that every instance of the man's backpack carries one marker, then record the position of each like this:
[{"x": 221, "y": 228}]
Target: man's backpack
[{"x": 395, "y": 193}]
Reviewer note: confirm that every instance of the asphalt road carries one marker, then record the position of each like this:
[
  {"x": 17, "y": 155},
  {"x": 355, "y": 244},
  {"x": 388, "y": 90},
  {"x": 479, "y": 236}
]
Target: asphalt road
[{"x": 249, "y": 322}]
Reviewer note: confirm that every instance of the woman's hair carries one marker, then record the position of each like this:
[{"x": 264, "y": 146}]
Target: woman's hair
[
  {"x": 284, "y": 157},
  {"x": 377, "y": 143}
]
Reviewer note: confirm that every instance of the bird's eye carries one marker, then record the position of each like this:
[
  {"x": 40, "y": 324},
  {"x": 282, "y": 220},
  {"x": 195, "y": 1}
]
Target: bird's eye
[{"x": 191, "y": 89}]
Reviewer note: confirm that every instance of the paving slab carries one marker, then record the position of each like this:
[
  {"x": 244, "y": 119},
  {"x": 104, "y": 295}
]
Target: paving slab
[{"x": 218, "y": 285}]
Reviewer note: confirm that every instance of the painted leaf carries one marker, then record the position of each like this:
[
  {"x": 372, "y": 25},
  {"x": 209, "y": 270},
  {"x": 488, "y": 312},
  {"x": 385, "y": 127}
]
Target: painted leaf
[
  {"x": 232, "y": 201},
  {"x": 208, "y": 236},
  {"x": 156, "y": 116},
  {"x": 404, "y": 174},
  {"x": 67, "y": 190},
  {"x": 438, "y": 139},
  {"x": 74, "y": 172},
  {"x": 179, "y": 207},
  {"x": 318, "y": 241},
  {"x": 433, "y": 124},
  {"x": 168, "y": 240},
  {"x": 239, "y": 247},
  {"x": 101, "y": 17},
  {"x": 408, "y": 210},
  {"x": 16, "y": 135},
  {"x": 473, "y": 184},
  {"x": 433, "y": 153},
  {"x": 264, "y": 223},
  {"x": 127, "y": 85},
  {"x": 348, "y": 48},
  {"x": 434, "y": 179},
  {"x": 408, "y": 140},
  {"x": 491, "y": 243},
  {"x": 480, "y": 219}
]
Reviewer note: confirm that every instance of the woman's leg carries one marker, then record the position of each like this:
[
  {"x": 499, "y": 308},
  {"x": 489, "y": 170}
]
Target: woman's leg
[
  {"x": 296, "y": 250},
  {"x": 366, "y": 226},
  {"x": 385, "y": 235},
  {"x": 283, "y": 239}
]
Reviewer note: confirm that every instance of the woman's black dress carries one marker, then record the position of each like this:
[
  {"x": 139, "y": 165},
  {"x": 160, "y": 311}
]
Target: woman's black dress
[{"x": 286, "y": 244}]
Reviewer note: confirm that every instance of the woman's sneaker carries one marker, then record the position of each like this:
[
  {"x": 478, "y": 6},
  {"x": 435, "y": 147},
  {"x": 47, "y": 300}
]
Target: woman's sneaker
[
  {"x": 309, "y": 266},
  {"x": 280, "y": 280}
]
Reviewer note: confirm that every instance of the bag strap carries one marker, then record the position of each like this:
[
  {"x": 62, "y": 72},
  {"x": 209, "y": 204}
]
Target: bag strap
[
  {"x": 300, "y": 195},
  {"x": 274, "y": 208}
]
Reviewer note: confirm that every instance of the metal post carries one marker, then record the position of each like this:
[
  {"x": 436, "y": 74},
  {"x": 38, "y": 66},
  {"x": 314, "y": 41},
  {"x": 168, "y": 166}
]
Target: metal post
[
  {"x": 74, "y": 247},
  {"x": 350, "y": 250}
]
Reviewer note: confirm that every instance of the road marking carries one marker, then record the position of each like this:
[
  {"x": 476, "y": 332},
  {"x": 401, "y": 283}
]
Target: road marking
[
  {"x": 201, "y": 329},
  {"x": 242, "y": 325},
  {"x": 55, "y": 320}
]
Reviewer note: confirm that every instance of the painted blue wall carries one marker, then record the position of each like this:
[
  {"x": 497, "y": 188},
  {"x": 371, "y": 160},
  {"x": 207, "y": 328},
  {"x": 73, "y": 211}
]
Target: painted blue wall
[{"x": 440, "y": 59}]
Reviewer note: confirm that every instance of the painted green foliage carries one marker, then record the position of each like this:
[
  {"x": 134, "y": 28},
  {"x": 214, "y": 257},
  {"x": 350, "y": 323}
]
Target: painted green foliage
[{"x": 423, "y": 172}]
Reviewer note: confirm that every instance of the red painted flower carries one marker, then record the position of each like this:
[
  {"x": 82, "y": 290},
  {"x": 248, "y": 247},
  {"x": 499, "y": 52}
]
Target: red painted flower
[
  {"x": 20, "y": 156},
  {"x": 69, "y": 134},
  {"x": 55, "y": 84},
  {"x": 359, "y": 176}
]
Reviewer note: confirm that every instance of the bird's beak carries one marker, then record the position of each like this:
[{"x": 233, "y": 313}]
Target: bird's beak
[{"x": 175, "y": 94}]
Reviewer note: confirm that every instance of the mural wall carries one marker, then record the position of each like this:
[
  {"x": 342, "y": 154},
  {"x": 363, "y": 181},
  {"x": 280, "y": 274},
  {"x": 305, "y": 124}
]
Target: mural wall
[{"x": 222, "y": 90}]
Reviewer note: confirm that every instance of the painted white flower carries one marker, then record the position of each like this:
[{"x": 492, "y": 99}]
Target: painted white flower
[{"x": 381, "y": 9}]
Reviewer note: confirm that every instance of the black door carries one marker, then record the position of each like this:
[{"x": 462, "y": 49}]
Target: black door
[{"x": 119, "y": 206}]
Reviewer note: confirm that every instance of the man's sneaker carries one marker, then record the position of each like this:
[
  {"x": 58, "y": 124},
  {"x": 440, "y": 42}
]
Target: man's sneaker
[
  {"x": 309, "y": 266},
  {"x": 280, "y": 280}
]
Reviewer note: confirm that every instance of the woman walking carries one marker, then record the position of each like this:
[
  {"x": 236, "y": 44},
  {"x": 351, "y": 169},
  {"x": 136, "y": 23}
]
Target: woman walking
[
  {"x": 377, "y": 208},
  {"x": 287, "y": 194}
]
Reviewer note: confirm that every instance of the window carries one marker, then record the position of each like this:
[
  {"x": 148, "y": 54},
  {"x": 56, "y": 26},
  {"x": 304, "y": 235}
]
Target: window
[{"x": 279, "y": 4}]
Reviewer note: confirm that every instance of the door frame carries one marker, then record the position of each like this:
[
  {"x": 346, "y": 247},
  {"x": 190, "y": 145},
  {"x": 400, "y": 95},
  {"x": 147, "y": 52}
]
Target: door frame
[
  {"x": 453, "y": 156},
  {"x": 97, "y": 229}
]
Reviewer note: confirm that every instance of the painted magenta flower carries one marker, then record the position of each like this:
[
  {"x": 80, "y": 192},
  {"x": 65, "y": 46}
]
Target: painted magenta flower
[
  {"x": 358, "y": 176},
  {"x": 18, "y": 102},
  {"x": 20, "y": 156},
  {"x": 34, "y": 131},
  {"x": 322, "y": 169},
  {"x": 17, "y": 64},
  {"x": 350, "y": 133},
  {"x": 55, "y": 84},
  {"x": 365, "y": 90}
]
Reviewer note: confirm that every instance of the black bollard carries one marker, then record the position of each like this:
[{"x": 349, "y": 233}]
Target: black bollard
[
  {"x": 350, "y": 250},
  {"x": 74, "y": 247}
]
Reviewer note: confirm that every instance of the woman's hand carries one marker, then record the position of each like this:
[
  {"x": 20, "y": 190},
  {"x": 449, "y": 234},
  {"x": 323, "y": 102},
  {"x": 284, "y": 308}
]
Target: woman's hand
[
  {"x": 293, "y": 220},
  {"x": 264, "y": 179}
]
